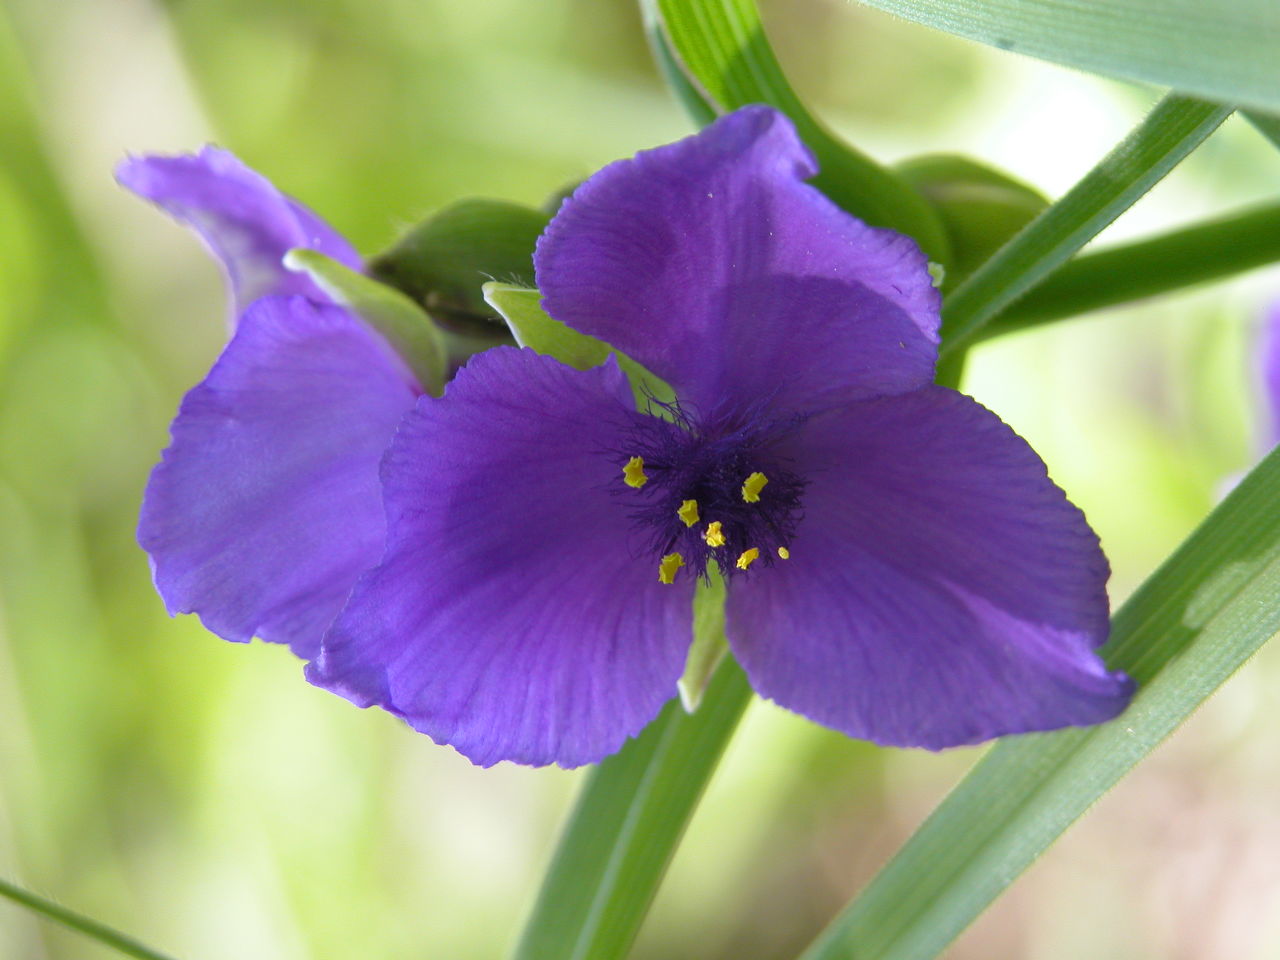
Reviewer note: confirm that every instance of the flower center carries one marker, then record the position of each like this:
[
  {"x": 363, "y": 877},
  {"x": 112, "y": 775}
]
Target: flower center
[{"x": 705, "y": 493}]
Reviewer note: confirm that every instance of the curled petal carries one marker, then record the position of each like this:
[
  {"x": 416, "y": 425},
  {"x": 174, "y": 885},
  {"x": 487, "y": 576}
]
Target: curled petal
[
  {"x": 941, "y": 590},
  {"x": 266, "y": 506},
  {"x": 247, "y": 223},
  {"x": 713, "y": 264},
  {"x": 511, "y": 615}
]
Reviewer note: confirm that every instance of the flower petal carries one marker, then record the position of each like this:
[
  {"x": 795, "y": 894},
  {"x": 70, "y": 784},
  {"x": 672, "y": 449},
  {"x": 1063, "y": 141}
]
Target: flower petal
[
  {"x": 710, "y": 262},
  {"x": 266, "y": 506},
  {"x": 511, "y": 615},
  {"x": 247, "y": 223},
  {"x": 1270, "y": 353},
  {"x": 941, "y": 589}
]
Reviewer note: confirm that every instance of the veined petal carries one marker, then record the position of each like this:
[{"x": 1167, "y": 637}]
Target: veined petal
[
  {"x": 246, "y": 222},
  {"x": 266, "y": 506},
  {"x": 512, "y": 615},
  {"x": 713, "y": 264},
  {"x": 941, "y": 590}
]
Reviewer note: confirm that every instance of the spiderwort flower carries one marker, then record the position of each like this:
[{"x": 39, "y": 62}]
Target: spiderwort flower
[
  {"x": 898, "y": 564},
  {"x": 266, "y": 506}
]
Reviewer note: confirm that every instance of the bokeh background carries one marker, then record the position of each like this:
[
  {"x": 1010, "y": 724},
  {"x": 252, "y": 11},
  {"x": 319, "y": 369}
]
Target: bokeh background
[{"x": 202, "y": 796}]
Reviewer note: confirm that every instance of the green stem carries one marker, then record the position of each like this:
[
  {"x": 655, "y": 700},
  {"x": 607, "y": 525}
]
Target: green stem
[
  {"x": 1182, "y": 258},
  {"x": 81, "y": 924},
  {"x": 1175, "y": 127},
  {"x": 626, "y": 825}
]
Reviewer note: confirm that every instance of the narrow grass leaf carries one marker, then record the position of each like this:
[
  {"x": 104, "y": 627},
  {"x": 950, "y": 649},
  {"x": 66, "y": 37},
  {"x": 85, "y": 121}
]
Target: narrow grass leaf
[
  {"x": 1181, "y": 258},
  {"x": 1175, "y": 127},
  {"x": 1220, "y": 51}
]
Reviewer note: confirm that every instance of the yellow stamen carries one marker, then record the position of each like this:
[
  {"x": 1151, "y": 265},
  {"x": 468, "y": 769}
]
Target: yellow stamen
[
  {"x": 633, "y": 473},
  {"x": 748, "y": 557},
  {"x": 668, "y": 567},
  {"x": 714, "y": 535},
  {"x": 752, "y": 486},
  {"x": 784, "y": 553},
  {"x": 688, "y": 512}
]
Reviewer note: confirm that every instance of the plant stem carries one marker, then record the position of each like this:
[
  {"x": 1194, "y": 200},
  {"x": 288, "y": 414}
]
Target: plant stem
[
  {"x": 1175, "y": 127},
  {"x": 81, "y": 924},
  {"x": 1171, "y": 261}
]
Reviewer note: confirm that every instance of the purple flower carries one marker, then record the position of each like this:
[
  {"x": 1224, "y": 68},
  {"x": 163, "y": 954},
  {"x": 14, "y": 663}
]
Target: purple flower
[
  {"x": 898, "y": 564},
  {"x": 266, "y": 506}
]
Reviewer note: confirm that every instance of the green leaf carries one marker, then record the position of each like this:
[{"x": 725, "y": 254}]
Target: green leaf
[
  {"x": 728, "y": 61},
  {"x": 1170, "y": 261},
  {"x": 1220, "y": 51},
  {"x": 1175, "y": 127},
  {"x": 694, "y": 103},
  {"x": 409, "y": 331},
  {"x": 979, "y": 207},
  {"x": 98, "y": 932},
  {"x": 1201, "y": 615},
  {"x": 521, "y": 308},
  {"x": 1266, "y": 124},
  {"x": 625, "y": 827}
]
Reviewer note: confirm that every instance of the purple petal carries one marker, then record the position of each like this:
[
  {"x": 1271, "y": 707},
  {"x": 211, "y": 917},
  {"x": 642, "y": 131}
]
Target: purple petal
[
  {"x": 247, "y": 223},
  {"x": 266, "y": 507},
  {"x": 1271, "y": 376},
  {"x": 511, "y": 615},
  {"x": 941, "y": 589},
  {"x": 711, "y": 262}
]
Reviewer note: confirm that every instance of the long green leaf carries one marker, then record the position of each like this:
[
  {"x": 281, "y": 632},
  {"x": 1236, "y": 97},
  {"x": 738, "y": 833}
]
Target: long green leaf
[
  {"x": 1267, "y": 124},
  {"x": 625, "y": 827},
  {"x": 1223, "y": 51},
  {"x": 1208, "y": 608},
  {"x": 81, "y": 924},
  {"x": 1175, "y": 127},
  {"x": 724, "y": 52},
  {"x": 1170, "y": 261}
]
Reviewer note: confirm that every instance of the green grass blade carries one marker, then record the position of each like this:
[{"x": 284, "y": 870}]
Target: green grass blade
[
  {"x": 1201, "y": 615},
  {"x": 1170, "y": 261},
  {"x": 722, "y": 47},
  {"x": 1266, "y": 124},
  {"x": 98, "y": 932},
  {"x": 1221, "y": 51},
  {"x": 1175, "y": 127},
  {"x": 625, "y": 828}
]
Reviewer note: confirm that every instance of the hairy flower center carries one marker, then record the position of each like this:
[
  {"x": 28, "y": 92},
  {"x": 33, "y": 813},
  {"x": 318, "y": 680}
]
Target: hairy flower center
[{"x": 710, "y": 493}]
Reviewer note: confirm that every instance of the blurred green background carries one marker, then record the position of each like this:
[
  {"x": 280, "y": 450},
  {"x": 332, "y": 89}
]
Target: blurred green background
[{"x": 202, "y": 796}]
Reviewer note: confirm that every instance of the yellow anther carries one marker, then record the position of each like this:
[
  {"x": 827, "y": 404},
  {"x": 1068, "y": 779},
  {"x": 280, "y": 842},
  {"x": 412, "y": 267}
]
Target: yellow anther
[
  {"x": 748, "y": 557},
  {"x": 688, "y": 512},
  {"x": 714, "y": 535},
  {"x": 752, "y": 486},
  {"x": 633, "y": 473},
  {"x": 784, "y": 553},
  {"x": 668, "y": 567}
]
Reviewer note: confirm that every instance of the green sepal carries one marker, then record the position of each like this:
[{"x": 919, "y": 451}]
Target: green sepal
[
  {"x": 442, "y": 262},
  {"x": 709, "y": 645},
  {"x": 980, "y": 207},
  {"x": 409, "y": 331},
  {"x": 531, "y": 326}
]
